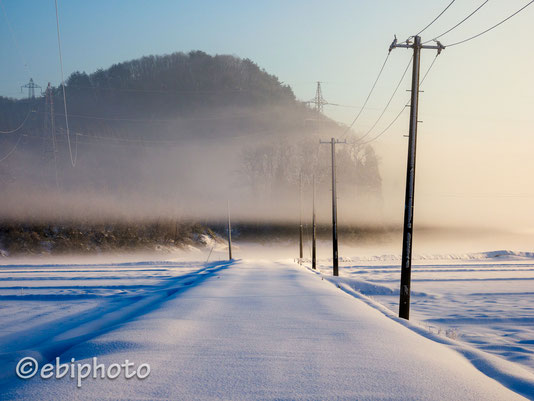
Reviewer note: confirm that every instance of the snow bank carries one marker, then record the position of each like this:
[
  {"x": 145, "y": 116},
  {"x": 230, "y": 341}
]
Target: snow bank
[{"x": 508, "y": 374}]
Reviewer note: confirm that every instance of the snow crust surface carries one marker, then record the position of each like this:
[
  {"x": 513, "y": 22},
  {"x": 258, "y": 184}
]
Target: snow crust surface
[
  {"x": 248, "y": 330},
  {"x": 483, "y": 299}
]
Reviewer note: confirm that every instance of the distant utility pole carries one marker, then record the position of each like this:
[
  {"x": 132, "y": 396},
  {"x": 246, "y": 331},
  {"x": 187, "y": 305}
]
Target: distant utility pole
[
  {"x": 335, "y": 261},
  {"x": 50, "y": 127},
  {"x": 301, "y": 253},
  {"x": 406, "y": 269},
  {"x": 229, "y": 231},
  {"x": 314, "y": 231},
  {"x": 31, "y": 86}
]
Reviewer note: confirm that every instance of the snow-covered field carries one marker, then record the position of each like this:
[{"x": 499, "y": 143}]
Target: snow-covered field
[
  {"x": 484, "y": 299},
  {"x": 50, "y": 308},
  {"x": 262, "y": 329}
]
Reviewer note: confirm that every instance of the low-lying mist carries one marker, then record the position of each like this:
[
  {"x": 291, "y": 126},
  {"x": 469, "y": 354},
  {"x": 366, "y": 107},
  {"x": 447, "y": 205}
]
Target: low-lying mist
[
  {"x": 179, "y": 137},
  {"x": 259, "y": 177}
]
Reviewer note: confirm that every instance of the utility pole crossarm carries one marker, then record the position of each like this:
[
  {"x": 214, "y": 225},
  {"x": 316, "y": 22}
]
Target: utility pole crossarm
[
  {"x": 330, "y": 142},
  {"x": 408, "y": 45}
]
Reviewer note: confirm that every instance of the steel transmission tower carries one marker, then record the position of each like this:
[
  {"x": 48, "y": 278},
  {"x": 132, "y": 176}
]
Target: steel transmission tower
[
  {"x": 31, "y": 86},
  {"x": 319, "y": 101}
]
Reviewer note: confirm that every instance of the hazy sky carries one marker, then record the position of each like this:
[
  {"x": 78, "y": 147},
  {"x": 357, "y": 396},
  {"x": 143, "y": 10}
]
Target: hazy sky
[{"x": 475, "y": 145}]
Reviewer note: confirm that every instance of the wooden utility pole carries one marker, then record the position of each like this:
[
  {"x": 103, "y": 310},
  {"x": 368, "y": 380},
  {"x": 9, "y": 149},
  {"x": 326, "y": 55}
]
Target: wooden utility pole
[
  {"x": 314, "y": 231},
  {"x": 229, "y": 232},
  {"x": 335, "y": 259},
  {"x": 407, "y": 236},
  {"x": 301, "y": 253}
]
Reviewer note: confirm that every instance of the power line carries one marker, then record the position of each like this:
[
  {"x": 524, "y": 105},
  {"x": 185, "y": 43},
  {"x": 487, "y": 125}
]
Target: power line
[
  {"x": 134, "y": 140},
  {"x": 390, "y": 99},
  {"x": 385, "y": 129},
  {"x": 113, "y": 141},
  {"x": 493, "y": 27},
  {"x": 368, "y": 96},
  {"x": 428, "y": 70},
  {"x": 401, "y": 111},
  {"x": 459, "y": 23},
  {"x": 350, "y": 106},
  {"x": 171, "y": 141},
  {"x": 166, "y": 142},
  {"x": 21, "y": 124},
  {"x": 435, "y": 19},
  {"x": 160, "y": 120},
  {"x": 72, "y": 159},
  {"x": 12, "y": 149}
]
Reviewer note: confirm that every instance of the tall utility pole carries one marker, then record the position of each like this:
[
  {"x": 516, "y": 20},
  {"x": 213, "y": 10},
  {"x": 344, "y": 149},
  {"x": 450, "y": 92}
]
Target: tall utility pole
[
  {"x": 50, "y": 127},
  {"x": 229, "y": 232},
  {"x": 314, "y": 231},
  {"x": 335, "y": 259},
  {"x": 301, "y": 253},
  {"x": 407, "y": 236}
]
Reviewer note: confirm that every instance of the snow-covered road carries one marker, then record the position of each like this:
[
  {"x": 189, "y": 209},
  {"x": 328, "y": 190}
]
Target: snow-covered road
[{"x": 264, "y": 330}]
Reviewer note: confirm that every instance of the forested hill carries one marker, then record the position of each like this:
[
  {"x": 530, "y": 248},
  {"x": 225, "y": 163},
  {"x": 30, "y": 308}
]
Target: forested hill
[
  {"x": 180, "y": 94},
  {"x": 167, "y": 135}
]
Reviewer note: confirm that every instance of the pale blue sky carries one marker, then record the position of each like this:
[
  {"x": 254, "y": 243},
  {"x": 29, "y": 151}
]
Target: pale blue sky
[
  {"x": 340, "y": 42},
  {"x": 478, "y": 100}
]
